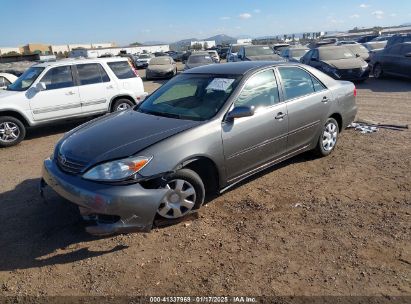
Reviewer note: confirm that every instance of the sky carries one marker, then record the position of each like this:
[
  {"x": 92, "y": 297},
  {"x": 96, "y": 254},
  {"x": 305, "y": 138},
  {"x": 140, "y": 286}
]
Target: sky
[{"x": 127, "y": 21}]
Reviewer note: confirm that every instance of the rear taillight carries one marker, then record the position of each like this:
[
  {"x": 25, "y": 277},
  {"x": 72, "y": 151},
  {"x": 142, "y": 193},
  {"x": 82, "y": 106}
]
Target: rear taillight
[{"x": 355, "y": 92}]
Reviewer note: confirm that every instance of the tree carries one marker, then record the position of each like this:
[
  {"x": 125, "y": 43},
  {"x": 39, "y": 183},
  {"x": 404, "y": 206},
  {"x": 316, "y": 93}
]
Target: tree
[
  {"x": 293, "y": 37},
  {"x": 205, "y": 45},
  {"x": 12, "y": 53},
  {"x": 285, "y": 37},
  {"x": 197, "y": 46}
]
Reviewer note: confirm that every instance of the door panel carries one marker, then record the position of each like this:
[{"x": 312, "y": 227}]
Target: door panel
[
  {"x": 95, "y": 88},
  {"x": 250, "y": 142},
  {"x": 61, "y": 97},
  {"x": 308, "y": 104}
]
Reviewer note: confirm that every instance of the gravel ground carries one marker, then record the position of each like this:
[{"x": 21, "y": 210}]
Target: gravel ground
[{"x": 339, "y": 225}]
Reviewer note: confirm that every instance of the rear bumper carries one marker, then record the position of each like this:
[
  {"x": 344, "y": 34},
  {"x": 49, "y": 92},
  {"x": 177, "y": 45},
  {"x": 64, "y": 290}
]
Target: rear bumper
[{"x": 134, "y": 205}]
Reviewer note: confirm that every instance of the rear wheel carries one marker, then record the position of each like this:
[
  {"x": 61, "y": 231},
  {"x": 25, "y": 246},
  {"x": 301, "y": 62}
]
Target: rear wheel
[
  {"x": 122, "y": 104},
  {"x": 186, "y": 193},
  {"x": 377, "y": 71},
  {"x": 329, "y": 137},
  {"x": 12, "y": 131}
]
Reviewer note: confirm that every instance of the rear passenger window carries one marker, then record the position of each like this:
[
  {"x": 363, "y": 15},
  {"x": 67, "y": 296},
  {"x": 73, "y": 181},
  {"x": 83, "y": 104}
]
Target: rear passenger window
[
  {"x": 260, "y": 91},
  {"x": 91, "y": 73},
  {"x": 122, "y": 69},
  {"x": 58, "y": 78},
  {"x": 298, "y": 82}
]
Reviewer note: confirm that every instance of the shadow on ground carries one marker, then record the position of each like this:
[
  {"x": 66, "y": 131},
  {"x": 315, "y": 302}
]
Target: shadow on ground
[
  {"x": 33, "y": 229},
  {"x": 386, "y": 85}
]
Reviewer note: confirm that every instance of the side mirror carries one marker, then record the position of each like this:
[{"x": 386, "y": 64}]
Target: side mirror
[
  {"x": 408, "y": 54},
  {"x": 314, "y": 59},
  {"x": 40, "y": 86},
  {"x": 239, "y": 112},
  {"x": 357, "y": 55}
]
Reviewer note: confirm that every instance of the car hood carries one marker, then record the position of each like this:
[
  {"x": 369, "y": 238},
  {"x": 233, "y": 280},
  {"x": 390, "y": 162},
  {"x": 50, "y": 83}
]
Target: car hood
[
  {"x": 272, "y": 57},
  {"x": 161, "y": 68},
  {"x": 7, "y": 94},
  {"x": 119, "y": 135},
  {"x": 353, "y": 63}
]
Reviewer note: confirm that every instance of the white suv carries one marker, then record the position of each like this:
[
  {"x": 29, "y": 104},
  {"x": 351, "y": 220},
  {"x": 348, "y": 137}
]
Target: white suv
[{"x": 52, "y": 91}]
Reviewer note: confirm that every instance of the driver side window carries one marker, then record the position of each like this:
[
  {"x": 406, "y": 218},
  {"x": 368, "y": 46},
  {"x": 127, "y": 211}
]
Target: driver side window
[
  {"x": 58, "y": 78},
  {"x": 260, "y": 91}
]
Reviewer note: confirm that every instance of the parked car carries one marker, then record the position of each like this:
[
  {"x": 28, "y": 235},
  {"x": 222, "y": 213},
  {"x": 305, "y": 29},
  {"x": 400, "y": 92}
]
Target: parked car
[
  {"x": 198, "y": 59},
  {"x": 294, "y": 54},
  {"x": 338, "y": 62},
  {"x": 200, "y": 133},
  {"x": 185, "y": 56},
  {"x": 257, "y": 52},
  {"x": 359, "y": 50},
  {"x": 375, "y": 45},
  {"x": 160, "y": 54},
  {"x": 214, "y": 55},
  {"x": 396, "y": 39},
  {"x": 323, "y": 42},
  {"x": 232, "y": 52},
  {"x": 161, "y": 67},
  {"x": 366, "y": 38},
  {"x": 381, "y": 38},
  {"x": 67, "y": 89},
  {"x": 177, "y": 56},
  {"x": 6, "y": 79},
  {"x": 143, "y": 60},
  {"x": 394, "y": 60},
  {"x": 279, "y": 47}
]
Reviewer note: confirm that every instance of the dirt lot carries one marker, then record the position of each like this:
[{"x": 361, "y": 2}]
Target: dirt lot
[{"x": 339, "y": 225}]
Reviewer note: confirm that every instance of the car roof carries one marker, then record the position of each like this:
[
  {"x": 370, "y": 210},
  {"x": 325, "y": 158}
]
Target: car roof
[
  {"x": 70, "y": 61},
  {"x": 235, "y": 68}
]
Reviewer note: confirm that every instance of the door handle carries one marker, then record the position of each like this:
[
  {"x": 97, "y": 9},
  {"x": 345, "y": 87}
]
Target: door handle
[
  {"x": 280, "y": 115},
  {"x": 325, "y": 99},
  {"x": 70, "y": 93},
  {"x": 110, "y": 87}
]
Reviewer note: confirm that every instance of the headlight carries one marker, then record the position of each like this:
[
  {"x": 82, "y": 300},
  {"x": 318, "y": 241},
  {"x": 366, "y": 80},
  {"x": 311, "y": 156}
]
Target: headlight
[{"x": 117, "y": 170}]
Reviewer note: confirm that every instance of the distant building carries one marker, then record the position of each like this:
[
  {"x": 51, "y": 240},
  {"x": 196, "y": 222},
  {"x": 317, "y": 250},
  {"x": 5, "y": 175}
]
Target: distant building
[
  {"x": 56, "y": 49},
  {"x": 6, "y": 50},
  {"x": 36, "y": 48},
  {"x": 396, "y": 30},
  {"x": 208, "y": 43},
  {"x": 114, "y": 51},
  {"x": 244, "y": 41}
]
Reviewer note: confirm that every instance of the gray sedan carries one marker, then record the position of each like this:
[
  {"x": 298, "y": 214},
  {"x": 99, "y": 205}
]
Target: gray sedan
[{"x": 200, "y": 133}]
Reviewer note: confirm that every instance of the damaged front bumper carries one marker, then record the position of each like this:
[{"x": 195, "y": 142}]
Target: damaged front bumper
[{"x": 113, "y": 208}]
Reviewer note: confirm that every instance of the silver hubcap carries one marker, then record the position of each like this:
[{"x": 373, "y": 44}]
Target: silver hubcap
[
  {"x": 329, "y": 138},
  {"x": 9, "y": 131},
  {"x": 179, "y": 200},
  {"x": 123, "y": 106}
]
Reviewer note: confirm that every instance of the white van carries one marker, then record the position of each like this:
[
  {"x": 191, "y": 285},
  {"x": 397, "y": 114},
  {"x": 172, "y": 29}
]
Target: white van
[{"x": 52, "y": 91}]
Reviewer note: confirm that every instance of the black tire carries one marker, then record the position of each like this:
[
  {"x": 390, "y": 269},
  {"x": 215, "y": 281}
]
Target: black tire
[
  {"x": 377, "y": 71},
  {"x": 324, "y": 150},
  {"x": 20, "y": 131},
  {"x": 122, "y": 102},
  {"x": 195, "y": 181}
]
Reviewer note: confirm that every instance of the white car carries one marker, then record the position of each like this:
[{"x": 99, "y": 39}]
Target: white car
[
  {"x": 72, "y": 88},
  {"x": 6, "y": 79},
  {"x": 214, "y": 55}
]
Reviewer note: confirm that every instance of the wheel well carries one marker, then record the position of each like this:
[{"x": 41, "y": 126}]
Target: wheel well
[
  {"x": 15, "y": 115},
  {"x": 121, "y": 97},
  {"x": 208, "y": 172},
  {"x": 338, "y": 118}
]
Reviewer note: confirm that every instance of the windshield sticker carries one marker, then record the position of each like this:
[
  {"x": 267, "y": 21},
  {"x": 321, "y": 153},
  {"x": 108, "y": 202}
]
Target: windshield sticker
[
  {"x": 347, "y": 55},
  {"x": 220, "y": 84}
]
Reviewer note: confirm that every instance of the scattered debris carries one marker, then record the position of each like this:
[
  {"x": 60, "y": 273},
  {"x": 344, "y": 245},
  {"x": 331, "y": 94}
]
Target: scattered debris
[{"x": 366, "y": 126}]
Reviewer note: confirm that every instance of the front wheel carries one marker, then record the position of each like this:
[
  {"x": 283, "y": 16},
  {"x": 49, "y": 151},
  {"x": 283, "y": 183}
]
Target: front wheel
[
  {"x": 12, "y": 131},
  {"x": 328, "y": 138},
  {"x": 186, "y": 193}
]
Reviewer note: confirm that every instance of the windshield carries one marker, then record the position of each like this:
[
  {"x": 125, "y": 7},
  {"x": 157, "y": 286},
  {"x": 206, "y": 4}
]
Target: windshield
[
  {"x": 200, "y": 59},
  {"x": 298, "y": 53},
  {"x": 26, "y": 79},
  {"x": 160, "y": 61},
  {"x": 258, "y": 51},
  {"x": 335, "y": 53},
  {"x": 192, "y": 97},
  {"x": 144, "y": 56}
]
